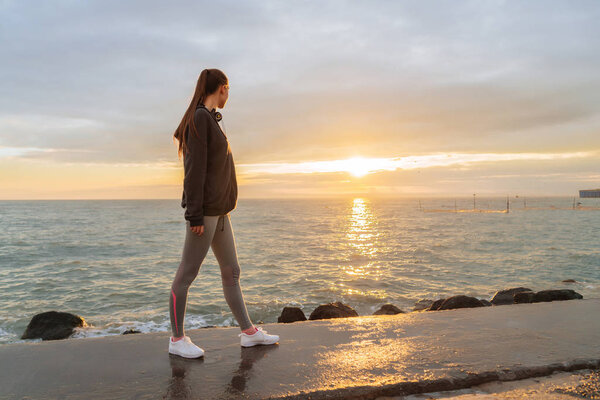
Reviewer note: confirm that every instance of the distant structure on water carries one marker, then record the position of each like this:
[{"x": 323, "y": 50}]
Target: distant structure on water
[{"x": 589, "y": 193}]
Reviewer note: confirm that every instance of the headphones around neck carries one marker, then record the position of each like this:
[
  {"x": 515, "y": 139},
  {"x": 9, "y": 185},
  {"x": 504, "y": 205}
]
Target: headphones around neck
[{"x": 217, "y": 115}]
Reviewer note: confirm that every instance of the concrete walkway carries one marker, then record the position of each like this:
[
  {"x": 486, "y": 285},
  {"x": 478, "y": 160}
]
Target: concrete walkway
[
  {"x": 365, "y": 357},
  {"x": 580, "y": 384}
]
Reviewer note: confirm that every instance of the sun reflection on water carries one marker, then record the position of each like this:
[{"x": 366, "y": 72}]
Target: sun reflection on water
[
  {"x": 360, "y": 233},
  {"x": 359, "y": 266}
]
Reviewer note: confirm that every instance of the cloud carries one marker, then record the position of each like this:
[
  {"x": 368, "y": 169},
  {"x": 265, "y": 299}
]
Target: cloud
[
  {"x": 369, "y": 165},
  {"x": 309, "y": 80}
]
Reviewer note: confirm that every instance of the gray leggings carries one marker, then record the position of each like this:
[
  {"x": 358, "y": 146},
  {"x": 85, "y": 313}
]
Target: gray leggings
[{"x": 218, "y": 235}]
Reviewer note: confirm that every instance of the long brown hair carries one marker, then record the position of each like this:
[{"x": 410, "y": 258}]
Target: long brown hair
[{"x": 208, "y": 83}]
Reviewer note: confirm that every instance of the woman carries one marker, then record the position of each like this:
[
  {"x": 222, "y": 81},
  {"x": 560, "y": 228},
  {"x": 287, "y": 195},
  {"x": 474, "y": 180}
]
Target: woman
[{"x": 209, "y": 194}]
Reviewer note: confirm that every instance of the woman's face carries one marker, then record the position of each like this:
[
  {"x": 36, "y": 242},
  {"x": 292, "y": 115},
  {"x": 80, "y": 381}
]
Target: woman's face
[{"x": 223, "y": 95}]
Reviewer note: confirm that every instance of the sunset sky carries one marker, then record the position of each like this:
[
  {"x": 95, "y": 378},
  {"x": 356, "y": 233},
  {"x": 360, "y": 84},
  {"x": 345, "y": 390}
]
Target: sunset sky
[{"x": 331, "y": 98}]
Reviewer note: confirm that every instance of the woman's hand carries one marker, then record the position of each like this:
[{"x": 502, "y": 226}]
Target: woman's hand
[{"x": 199, "y": 229}]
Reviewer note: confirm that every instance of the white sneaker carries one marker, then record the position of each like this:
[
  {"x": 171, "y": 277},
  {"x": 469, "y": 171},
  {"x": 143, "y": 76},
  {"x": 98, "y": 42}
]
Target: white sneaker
[
  {"x": 259, "y": 337},
  {"x": 185, "y": 348}
]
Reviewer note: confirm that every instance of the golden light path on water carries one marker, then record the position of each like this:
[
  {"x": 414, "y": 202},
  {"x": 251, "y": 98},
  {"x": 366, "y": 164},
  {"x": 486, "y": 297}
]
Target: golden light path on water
[{"x": 361, "y": 240}]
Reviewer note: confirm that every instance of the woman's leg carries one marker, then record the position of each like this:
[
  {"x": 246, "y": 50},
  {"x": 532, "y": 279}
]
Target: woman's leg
[
  {"x": 223, "y": 246},
  {"x": 194, "y": 252}
]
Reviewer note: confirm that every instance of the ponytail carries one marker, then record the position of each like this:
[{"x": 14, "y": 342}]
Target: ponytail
[{"x": 208, "y": 83}]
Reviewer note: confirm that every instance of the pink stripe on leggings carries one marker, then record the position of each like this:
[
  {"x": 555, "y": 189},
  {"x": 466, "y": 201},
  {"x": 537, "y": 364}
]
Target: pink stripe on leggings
[{"x": 175, "y": 310}]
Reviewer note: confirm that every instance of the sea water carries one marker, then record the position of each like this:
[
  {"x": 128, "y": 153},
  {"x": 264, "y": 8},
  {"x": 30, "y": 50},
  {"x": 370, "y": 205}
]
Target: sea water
[{"x": 113, "y": 261}]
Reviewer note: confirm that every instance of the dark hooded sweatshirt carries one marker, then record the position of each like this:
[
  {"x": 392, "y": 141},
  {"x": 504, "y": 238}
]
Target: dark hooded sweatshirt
[{"x": 209, "y": 183}]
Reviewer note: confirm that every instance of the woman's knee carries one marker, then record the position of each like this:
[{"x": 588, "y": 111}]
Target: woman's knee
[
  {"x": 185, "y": 276},
  {"x": 231, "y": 275}
]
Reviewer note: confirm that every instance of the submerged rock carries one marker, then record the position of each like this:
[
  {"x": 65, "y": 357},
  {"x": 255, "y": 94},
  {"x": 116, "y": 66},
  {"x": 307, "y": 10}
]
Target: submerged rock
[
  {"x": 333, "y": 310},
  {"x": 388, "y": 309},
  {"x": 291, "y": 314},
  {"x": 52, "y": 325}
]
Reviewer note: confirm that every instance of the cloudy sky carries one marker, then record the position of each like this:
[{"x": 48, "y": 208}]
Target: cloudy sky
[{"x": 327, "y": 98}]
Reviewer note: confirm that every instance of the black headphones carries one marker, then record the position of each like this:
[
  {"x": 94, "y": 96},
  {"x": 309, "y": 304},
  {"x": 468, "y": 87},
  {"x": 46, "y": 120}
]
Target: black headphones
[{"x": 217, "y": 115}]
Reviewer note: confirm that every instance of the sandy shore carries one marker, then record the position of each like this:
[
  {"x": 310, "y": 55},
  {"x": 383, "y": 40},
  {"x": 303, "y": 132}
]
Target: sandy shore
[{"x": 368, "y": 357}]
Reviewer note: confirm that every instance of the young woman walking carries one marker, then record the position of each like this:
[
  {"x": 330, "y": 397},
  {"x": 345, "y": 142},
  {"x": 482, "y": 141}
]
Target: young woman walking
[{"x": 209, "y": 194}]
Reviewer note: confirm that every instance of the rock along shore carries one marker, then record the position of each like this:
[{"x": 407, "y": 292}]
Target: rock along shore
[{"x": 358, "y": 357}]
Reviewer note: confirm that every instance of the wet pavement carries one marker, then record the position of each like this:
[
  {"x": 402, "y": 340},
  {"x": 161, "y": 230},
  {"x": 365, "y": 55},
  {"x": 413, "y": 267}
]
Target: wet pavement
[
  {"x": 581, "y": 384},
  {"x": 360, "y": 357}
]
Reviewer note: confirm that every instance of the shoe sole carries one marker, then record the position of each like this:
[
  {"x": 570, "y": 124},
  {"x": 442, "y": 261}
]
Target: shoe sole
[
  {"x": 259, "y": 344},
  {"x": 181, "y": 355}
]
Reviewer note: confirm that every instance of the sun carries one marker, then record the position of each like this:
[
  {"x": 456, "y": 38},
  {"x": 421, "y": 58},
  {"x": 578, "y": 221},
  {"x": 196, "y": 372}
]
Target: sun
[{"x": 359, "y": 166}]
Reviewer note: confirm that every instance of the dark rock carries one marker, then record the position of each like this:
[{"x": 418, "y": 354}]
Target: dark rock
[
  {"x": 333, "y": 310},
  {"x": 523, "y": 297},
  {"x": 422, "y": 304},
  {"x": 556, "y": 294},
  {"x": 570, "y": 281},
  {"x": 485, "y": 302},
  {"x": 52, "y": 325},
  {"x": 459, "y": 301},
  {"x": 435, "y": 305},
  {"x": 129, "y": 331},
  {"x": 547, "y": 295},
  {"x": 388, "y": 309},
  {"x": 291, "y": 314},
  {"x": 506, "y": 296}
]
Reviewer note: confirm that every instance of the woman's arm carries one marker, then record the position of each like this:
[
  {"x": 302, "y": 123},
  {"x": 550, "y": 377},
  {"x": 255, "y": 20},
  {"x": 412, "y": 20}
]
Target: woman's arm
[{"x": 195, "y": 165}]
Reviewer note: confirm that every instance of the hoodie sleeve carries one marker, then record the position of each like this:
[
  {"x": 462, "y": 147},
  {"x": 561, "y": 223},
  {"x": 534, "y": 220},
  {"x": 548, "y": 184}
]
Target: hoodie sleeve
[{"x": 195, "y": 165}]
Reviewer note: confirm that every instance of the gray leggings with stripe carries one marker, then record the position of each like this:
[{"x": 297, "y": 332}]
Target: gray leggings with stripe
[{"x": 218, "y": 235}]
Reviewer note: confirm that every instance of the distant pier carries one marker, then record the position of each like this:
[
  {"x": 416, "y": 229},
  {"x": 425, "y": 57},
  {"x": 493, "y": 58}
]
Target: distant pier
[{"x": 593, "y": 193}]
